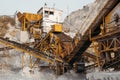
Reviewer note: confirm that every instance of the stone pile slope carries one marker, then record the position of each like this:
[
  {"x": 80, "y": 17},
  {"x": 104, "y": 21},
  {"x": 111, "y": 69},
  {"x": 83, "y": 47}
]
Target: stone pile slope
[
  {"x": 4, "y": 21},
  {"x": 82, "y": 18}
]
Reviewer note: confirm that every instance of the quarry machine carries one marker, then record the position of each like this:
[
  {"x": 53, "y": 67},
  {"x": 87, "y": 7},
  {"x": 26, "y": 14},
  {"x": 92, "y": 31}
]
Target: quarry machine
[
  {"x": 63, "y": 53},
  {"x": 31, "y": 23}
]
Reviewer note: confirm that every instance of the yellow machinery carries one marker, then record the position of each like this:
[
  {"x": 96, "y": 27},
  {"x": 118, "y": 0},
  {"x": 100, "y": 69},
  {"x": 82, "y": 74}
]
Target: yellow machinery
[
  {"x": 57, "y": 28},
  {"x": 56, "y": 43},
  {"x": 31, "y": 22}
]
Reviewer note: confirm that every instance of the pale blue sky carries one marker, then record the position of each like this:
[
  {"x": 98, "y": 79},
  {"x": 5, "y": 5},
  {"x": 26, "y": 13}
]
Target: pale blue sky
[{"x": 9, "y": 7}]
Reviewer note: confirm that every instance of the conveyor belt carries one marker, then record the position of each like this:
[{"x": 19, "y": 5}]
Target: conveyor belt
[
  {"x": 84, "y": 41},
  {"x": 34, "y": 52},
  {"x": 5, "y": 48},
  {"x": 9, "y": 48}
]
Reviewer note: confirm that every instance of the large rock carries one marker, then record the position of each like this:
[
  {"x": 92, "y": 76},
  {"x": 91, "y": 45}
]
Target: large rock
[{"x": 81, "y": 19}]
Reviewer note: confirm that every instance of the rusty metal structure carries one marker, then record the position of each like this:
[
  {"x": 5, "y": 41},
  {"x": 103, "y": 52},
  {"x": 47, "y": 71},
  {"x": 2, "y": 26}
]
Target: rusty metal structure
[
  {"x": 107, "y": 43},
  {"x": 63, "y": 53}
]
